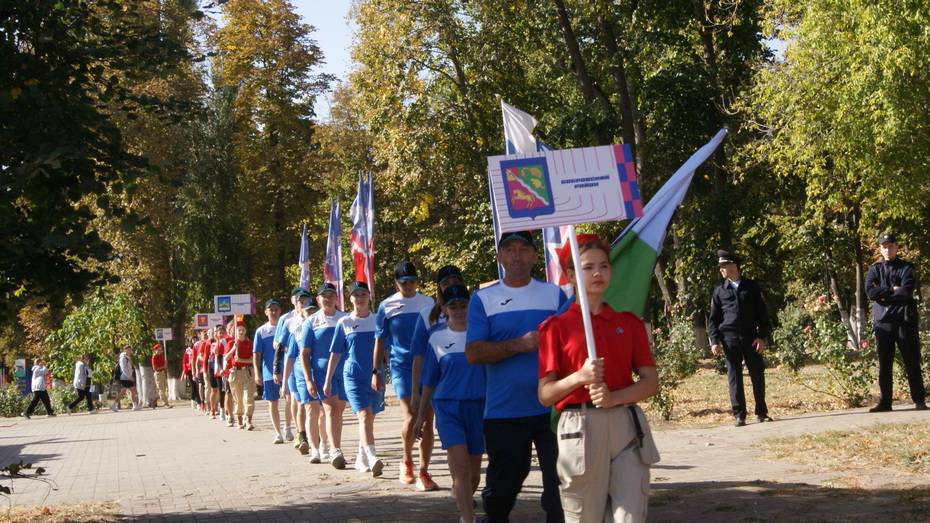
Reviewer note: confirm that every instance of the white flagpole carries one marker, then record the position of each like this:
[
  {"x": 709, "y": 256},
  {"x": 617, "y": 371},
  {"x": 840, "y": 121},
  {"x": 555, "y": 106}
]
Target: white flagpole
[{"x": 582, "y": 295}]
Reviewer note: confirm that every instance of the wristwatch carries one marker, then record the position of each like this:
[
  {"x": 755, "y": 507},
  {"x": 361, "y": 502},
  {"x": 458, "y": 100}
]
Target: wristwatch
[{"x": 375, "y": 371}]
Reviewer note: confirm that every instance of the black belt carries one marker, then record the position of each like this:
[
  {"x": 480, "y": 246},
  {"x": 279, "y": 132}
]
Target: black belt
[{"x": 640, "y": 436}]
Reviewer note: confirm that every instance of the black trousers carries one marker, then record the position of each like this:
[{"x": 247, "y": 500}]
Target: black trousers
[
  {"x": 195, "y": 390},
  {"x": 38, "y": 395},
  {"x": 509, "y": 444},
  {"x": 82, "y": 394},
  {"x": 737, "y": 350},
  {"x": 905, "y": 336}
]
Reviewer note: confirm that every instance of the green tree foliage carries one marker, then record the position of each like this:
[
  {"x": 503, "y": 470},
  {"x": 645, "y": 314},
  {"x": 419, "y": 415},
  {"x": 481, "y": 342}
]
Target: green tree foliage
[
  {"x": 63, "y": 159},
  {"x": 101, "y": 326}
]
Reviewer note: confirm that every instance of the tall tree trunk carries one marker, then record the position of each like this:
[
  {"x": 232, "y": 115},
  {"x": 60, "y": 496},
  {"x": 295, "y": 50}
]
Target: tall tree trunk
[
  {"x": 616, "y": 59},
  {"x": 589, "y": 87}
]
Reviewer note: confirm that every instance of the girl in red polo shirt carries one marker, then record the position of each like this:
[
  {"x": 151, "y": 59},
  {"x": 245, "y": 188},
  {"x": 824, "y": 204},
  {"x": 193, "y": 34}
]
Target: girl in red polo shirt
[{"x": 605, "y": 446}]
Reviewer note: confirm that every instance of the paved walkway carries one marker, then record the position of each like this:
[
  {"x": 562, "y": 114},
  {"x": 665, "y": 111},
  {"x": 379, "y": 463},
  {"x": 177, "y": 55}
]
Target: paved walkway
[{"x": 177, "y": 465}]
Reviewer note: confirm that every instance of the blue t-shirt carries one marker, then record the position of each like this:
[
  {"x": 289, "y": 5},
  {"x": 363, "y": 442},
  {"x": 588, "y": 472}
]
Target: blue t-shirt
[
  {"x": 500, "y": 313},
  {"x": 419, "y": 342},
  {"x": 263, "y": 344},
  {"x": 317, "y": 336},
  {"x": 397, "y": 317},
  {"x": 292, "y": 342},
  {"x": 280, "y": 332},
  {"x": 355, "y": 340},
  {"x": 448, "y": 371}
]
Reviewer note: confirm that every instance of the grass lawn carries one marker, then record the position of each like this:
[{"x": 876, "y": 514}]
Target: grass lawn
[
  {"x": 703, "y": 401},
  {"x": 898, "y": 447}
]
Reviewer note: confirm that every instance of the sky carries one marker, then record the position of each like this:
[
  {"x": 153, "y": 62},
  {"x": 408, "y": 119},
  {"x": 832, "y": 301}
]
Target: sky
[{"x": 334, "y": 36}]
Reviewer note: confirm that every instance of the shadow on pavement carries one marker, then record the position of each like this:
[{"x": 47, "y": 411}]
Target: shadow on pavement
[{"x": 797, "y": 502}]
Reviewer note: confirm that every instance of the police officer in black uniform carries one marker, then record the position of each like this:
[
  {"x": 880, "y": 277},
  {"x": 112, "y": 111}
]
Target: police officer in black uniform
[
  {"x": 738, "y": 327},
  {"x": 890, "y": 285}
]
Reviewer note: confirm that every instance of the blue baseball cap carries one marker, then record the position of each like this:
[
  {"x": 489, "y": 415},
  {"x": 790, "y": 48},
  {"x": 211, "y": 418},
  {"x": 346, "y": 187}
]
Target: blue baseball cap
[
  {"x": 300, "y": 291},
  {"x": 326, "y": 287}
]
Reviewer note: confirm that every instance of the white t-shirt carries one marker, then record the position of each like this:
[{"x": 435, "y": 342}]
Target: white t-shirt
[{"x": 38, "y": 377}]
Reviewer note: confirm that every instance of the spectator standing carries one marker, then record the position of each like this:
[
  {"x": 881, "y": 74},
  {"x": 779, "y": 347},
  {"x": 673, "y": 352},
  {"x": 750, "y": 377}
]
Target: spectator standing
[
  {"x": 890, "y": 285},
  {"x": 160, "y": 366},
  {"x": 738, "y": 327}
]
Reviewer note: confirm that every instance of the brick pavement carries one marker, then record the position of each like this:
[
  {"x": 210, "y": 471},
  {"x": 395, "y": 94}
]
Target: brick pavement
[{"x": 177, "y": 465}]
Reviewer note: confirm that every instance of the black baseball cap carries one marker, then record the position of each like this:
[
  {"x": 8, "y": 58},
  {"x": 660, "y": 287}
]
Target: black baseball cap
[
  {"x": 886, "y": 238},
  {"x": 326, "y": 287},
  {"x": 455, "y": 292},
  {"x": 311, "y": 304},
  {"x": 358, "y": 285},
  {"x": 726, "y": 258},
  {"x": 448, "y": 271},
  {"x": 523, "y": 236},
  {"x": 405, "y": 271},
  {"x": 271, "y": 302}
]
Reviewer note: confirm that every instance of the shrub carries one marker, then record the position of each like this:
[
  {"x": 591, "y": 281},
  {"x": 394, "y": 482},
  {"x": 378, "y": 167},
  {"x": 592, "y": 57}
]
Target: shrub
[
  {"x": 676, "y": 359},
  {"x": 12, "y": 402},
  {"x": 810, "y": 329}
]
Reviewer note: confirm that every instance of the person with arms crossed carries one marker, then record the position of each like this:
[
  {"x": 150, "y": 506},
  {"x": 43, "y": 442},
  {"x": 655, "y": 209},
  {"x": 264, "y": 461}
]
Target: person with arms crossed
[
  {"x": 502, "y": 321},
  {"x": 890, "y": 284},
  {"x": 605, "y": 445}
]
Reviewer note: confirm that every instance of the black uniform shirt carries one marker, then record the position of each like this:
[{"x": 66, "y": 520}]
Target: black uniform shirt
[
  {"x": 740, "y": 311},
  {"x": 889, "y": 305}
]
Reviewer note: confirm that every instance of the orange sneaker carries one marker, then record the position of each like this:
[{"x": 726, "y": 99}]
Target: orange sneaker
[
  {"x": 425, "y": 482},
  {"x": 406, "y": 472}
]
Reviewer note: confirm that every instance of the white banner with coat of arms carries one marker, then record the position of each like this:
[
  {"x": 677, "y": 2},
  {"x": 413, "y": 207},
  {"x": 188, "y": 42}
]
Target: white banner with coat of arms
[{"x": 564, "y": 187}]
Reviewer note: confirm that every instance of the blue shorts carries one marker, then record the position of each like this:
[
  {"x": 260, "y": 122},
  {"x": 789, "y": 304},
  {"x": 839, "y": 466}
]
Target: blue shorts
[
  {"x": 292, "y": 382},
  {"x": 359, "y": 392},
  {"x": 401, "y": 381},
  {"x": 271, "y": 391},
  {"x": 460, "y": 422},
  {"x": 302, "y": 392}
]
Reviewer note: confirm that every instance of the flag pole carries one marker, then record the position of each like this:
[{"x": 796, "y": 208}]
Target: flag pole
[{"x": 581, "y": 293}]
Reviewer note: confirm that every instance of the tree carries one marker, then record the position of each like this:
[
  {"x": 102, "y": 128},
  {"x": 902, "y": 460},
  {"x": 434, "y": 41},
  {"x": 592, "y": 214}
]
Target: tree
[
  {"x": 842, "y": 122},
  {"x": 63, "y": 160},
  {"x": 101, "y": 326}
]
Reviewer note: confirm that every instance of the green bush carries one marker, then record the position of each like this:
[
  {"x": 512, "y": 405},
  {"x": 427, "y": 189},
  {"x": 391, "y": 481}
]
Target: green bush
[
  {"x": 12, "y": 402},
  {"x": 810, "y": 329},
  {"x": 676, "y": 359},
  {"x": 61, "y": 398}
]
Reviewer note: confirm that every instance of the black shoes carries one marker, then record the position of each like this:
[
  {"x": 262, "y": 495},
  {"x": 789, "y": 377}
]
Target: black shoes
[
  {"x": 882, "y": 408},
  {"x": 763, "y": 418},
  {"x": 23, "y": 414},
  {"x": 740, "y": 421},
  {"x": 920, "y": 406}
]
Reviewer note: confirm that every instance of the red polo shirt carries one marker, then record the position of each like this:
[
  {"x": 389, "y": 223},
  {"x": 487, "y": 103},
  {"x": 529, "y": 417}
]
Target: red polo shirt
[
  {"x": 187, "y": 360},
  {"x": 204, "y": 352},
  {"x": 243, "y": 352},
  {"x": 158, "y": 361},
  {"x": 620, "y": 338}
]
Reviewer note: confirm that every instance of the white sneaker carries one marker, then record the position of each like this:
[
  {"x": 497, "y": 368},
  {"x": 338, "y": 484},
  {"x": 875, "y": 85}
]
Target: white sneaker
[
  {"x": 324, "y": 453},
  {"x": 222, "y": 415},
  {"x": 137, "y": 407},
  {"x": 361, "y": 462},
  {"x": 338, "y": 460},
  {"x": 278, "y": 439},
  {"x": 314, "y": 455},
  {"x": 113, "y": 407},
  {"x": 288, "y": 434}
]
